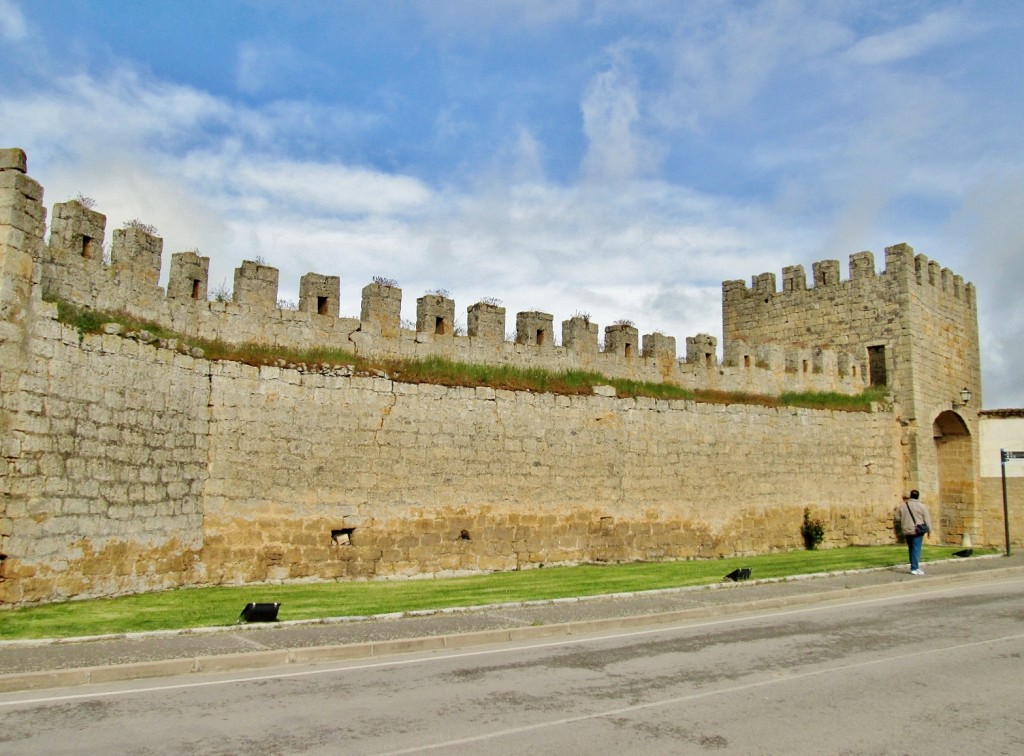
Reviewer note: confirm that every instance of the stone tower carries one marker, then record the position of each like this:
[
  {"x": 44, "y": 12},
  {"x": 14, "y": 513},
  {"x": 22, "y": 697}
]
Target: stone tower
[{"x": 911, "y": 330}]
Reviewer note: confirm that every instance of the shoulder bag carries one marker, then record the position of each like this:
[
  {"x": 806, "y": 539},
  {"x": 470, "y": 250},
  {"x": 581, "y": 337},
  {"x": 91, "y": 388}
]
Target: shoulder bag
[{"x": 920, "y": 528}]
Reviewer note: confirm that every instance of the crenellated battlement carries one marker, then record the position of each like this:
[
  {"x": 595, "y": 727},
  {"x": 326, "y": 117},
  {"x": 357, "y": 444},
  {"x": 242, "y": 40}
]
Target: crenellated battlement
[
  {"x": 815, "y": 334},
  {"x": 76, "y": 266},
  {"x": 900, "y": 263}
]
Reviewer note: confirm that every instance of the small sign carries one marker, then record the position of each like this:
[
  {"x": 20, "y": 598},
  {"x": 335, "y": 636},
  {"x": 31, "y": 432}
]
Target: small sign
[{"x": 1008, "y": 455}]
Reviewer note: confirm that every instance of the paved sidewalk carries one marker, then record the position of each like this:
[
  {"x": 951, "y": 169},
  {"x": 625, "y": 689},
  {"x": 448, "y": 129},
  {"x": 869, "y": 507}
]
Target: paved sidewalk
[{"x": 26, "y": 665}]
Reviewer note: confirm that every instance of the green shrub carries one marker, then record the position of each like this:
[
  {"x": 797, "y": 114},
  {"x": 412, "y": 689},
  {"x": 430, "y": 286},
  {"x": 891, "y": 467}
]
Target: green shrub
[{"x": 813, "y": 531}]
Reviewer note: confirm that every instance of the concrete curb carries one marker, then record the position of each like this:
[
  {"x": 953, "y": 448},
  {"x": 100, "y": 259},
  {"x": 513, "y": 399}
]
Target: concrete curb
[{"x": 240, "y": 662}]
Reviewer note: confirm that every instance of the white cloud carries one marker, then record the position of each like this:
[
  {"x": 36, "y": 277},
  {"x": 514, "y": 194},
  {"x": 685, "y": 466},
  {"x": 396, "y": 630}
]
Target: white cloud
[
  {"x": 934, "y": 30},
  {"x": 81, "y": 116},
  {"x": 721, "y": 59},
  {"x": 626, "y": 241},
  {"x": 611, "y": 119},
  {"x": 130, "y": 112},
  {"x": 284, "y": 186},
  {"x": 529, "y": 158},
  {"x": 12, "y": 23}
]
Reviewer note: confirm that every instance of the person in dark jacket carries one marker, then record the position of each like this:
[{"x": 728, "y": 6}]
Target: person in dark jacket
[{"x": 913, "y": 514}]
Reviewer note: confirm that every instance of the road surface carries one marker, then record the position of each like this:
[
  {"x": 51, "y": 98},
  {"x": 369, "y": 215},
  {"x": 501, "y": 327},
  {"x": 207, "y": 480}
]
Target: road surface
[{"x": 936, "y": 672}]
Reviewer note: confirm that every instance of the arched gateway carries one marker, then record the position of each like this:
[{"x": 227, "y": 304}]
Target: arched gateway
[{"x": 954, "y": 452}]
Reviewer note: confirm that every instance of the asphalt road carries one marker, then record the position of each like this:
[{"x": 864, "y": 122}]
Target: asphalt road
[{"x": 937, "y": 671}]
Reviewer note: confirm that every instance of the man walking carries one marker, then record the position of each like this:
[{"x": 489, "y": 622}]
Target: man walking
[{"x": 916, "y": 523}]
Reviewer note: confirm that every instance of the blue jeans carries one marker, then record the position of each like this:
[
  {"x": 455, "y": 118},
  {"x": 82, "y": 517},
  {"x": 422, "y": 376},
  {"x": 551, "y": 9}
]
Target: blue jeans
[{"x": 914, "y": 543}]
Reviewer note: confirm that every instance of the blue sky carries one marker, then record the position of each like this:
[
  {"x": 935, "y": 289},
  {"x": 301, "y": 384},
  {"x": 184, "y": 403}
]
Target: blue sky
[{"x": 615, "y": 157}]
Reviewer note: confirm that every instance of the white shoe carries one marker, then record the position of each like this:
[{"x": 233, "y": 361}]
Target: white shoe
[{"x": 917, "y": 572}]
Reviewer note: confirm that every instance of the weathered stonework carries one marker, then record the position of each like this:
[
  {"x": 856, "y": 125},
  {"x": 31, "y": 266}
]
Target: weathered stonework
[
  {"x": 127, "y": 465},
  {"x": 320, "y": 295},
  {"x": 533, "y": 479},
  {"x": 435, "y": 316},
  {"x": 190, "y": 277},
  {"x": 912, "y": 329}
]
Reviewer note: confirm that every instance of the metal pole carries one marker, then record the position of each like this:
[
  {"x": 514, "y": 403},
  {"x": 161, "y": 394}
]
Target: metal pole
[{"x": 1006, "y": 509}]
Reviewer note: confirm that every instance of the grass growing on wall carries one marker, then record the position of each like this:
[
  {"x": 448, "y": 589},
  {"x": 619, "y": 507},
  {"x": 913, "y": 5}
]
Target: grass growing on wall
[
  {"x": 91, "y": 321},
  {"x": 445, "y": 372},
  {"x": 212, "y": 607},
  {"x": 832, "y": 400}
]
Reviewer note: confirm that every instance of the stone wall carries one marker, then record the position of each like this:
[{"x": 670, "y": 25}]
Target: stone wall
[
  {"x": 842, "y": 314},
  {"x": 129, "y": 466},
  {"x": 140, "y": 468},
  {"x": 942, "y": 357},
  {"x": 426, "y": 479},
  {"x": 106, "y": 452}
]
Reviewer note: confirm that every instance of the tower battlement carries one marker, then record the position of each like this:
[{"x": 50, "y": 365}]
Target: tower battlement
[{"x": 900, "y": 263}]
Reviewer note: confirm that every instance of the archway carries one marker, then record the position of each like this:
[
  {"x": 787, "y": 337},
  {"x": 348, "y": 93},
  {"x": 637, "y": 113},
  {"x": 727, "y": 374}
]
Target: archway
[{"x": 954, "y": 456}]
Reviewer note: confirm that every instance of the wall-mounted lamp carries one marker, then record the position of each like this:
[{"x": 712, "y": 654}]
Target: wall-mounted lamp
[{"x": 965, "y": 396}]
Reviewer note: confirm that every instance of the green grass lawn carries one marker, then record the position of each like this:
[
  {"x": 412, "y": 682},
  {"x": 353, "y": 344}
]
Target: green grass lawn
[{"x": 212, "y": 607}]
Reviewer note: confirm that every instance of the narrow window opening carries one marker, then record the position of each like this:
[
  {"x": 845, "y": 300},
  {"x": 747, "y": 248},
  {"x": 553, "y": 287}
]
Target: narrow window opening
[
  {"x": 195, "y": 288},
  {"x": 321, "y": 305},
  {"x": 707, "y": 360},
  {"x": 540, "y": 337},
  {"x": 342, "y": 536},
  {"x": 629, "y": 349},
  {"x": 746, "y": 360},
  {"x": 88, "y": 247},
  {"x": 876, "y": 366},
  {"x": 853, "y": 370},
  {"x": 807, "y": 366},
  {"x": 439, "y": 326}
]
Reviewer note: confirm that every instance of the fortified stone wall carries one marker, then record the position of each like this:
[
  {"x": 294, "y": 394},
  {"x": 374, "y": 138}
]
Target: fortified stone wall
[
  {"x": 140, "y": 468},
  {"x": 840, "y": 315},
  {"x": 992, "y": 523},
  {"x": 129, "y": 466},
  {"x": 873, "y": 321},
  {"x": 74, "y": 271}
]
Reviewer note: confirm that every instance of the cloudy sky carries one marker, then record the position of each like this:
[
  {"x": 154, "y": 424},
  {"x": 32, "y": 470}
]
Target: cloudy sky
[{"x": 616, "y": 157}]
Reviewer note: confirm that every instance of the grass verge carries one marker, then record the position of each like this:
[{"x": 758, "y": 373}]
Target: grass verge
[{"x": 219, "y": 606}]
